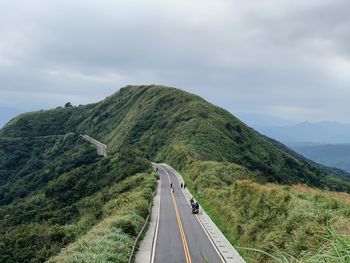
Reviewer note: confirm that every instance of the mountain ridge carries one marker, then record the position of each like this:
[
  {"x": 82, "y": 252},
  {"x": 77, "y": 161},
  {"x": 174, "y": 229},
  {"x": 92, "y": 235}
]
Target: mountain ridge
[
  {"x": 55, "y": 189},
  {"x": 180, "y": 115}
]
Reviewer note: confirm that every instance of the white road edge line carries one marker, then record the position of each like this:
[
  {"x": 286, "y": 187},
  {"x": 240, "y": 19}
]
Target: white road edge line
[
  {"x": 157, "y": 224},
  {"x": 201, "y": 224},
  {"x": 206, "y": 232},
  {"x": 235, "y": 257}
]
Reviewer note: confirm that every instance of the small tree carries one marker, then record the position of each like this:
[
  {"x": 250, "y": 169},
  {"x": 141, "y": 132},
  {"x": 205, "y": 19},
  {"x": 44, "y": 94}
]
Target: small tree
[{"x": 68, "y": 104}]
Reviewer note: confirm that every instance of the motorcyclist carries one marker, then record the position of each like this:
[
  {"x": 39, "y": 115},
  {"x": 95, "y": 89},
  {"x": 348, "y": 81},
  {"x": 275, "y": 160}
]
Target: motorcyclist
[{"x": 197, "y": 205}]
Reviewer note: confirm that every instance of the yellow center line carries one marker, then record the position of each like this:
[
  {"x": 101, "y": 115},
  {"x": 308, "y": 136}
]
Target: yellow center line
[{"x": 179, "y": 222}]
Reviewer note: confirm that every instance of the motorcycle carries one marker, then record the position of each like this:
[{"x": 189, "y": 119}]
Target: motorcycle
[{"x": 195, "y": 210}]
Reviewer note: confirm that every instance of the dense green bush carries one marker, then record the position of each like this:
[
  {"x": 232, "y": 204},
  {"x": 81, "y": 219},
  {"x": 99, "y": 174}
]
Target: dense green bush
[
  {"x": 55, "y": 188},
  {"x": 111, "y": 239}
]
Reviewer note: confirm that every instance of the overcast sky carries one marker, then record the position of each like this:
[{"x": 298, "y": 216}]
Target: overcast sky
[{"x": 289, "y": 59}]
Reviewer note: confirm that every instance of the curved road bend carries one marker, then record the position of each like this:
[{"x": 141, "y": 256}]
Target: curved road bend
[{"x": 180, "y": 237}]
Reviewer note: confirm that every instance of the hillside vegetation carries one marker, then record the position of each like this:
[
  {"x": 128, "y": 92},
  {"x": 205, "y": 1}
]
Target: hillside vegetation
[
  {"x": 293, "y": 223},
  {"x": 55, "y": 191},
  {"x": 167, "y": 123},
  {"x": 220, "y": 157}
]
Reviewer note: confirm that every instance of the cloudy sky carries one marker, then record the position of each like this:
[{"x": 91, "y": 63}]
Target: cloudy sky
[{"x": 285, "y": 58}]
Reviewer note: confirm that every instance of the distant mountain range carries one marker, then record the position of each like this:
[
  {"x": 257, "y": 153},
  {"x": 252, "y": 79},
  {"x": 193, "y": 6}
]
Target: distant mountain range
[
  {"x": 327, "y": 142},
  {"x": 256, "y": 119},
  {"x": 326, "y": 132},
  {"x": 336, "y": 155}
]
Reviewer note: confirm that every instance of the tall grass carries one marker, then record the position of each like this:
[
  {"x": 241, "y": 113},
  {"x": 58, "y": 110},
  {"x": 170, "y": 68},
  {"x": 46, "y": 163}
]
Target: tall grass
[
  {"x": 111, "y": 239},
  {"x": 277, "y": 223},
  {"x": 336, "y": 248}
]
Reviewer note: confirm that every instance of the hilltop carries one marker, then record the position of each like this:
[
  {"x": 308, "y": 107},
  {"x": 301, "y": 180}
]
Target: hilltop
[
  {"x": 167, "y": 123},
  {"x": 49, "y": 176}
]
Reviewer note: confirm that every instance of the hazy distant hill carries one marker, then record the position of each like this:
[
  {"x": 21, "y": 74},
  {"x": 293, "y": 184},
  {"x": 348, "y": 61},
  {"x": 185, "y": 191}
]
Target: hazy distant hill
[
  {"x": 256, "y": 119},
  {"x": 325, "y": 142},
  {"x": 336, "y": 155},
  {"x": 320, "y": 132}
]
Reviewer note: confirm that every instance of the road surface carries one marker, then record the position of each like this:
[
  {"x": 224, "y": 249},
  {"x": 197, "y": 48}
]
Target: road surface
[
  {"x": 179, "y": 235},
  {"x": 101, "y": 148}
]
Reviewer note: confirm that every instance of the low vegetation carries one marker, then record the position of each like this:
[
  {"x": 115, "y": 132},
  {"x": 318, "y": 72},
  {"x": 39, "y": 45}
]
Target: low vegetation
[
  {"x": 112, "y": 238},
  {"x": 72, "y": 192},
  {"x": 271, "y": 222}
]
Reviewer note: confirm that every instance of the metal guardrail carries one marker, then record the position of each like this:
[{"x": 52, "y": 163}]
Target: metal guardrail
[{"x": 143, "y": 228}]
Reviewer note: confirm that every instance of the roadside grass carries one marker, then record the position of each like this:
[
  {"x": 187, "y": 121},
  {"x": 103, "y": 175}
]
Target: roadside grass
[
  {"x": 271, "y": 222},
  {"x": 138, "y": 243},
  {"x": 336, "y": 248},
  {"x": 111, "y": 239},
  {"x": 70, "y": 194}
]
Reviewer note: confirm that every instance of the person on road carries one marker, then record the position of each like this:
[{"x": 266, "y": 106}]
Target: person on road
[
  {"x": 192, "y": 201},
  {"x": 171, "y": 185},
  {"x": 181, "y": 185},
  {"x": 193, "y": 205}
]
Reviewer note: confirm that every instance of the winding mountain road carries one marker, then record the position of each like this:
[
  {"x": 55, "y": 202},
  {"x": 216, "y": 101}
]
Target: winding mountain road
[
  {"x": 179, "y": 236},
  {"x": 101, "y": 147}
]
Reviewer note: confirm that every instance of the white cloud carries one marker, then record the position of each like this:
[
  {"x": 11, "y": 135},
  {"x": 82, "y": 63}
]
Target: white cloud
[{"x": 272, "y": 56}]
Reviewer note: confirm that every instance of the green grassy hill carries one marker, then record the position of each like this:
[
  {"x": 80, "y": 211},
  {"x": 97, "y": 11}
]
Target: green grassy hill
[
  {"x": 167, "y": 123},
  {"x": 55, "y": 191},
  {"x": 46, "y": 170}
]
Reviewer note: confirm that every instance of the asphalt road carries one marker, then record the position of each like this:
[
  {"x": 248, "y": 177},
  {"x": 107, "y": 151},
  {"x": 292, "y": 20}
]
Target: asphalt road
[
  {"x": 180, "y": 237},
  {"x": 101, "y": 148}
]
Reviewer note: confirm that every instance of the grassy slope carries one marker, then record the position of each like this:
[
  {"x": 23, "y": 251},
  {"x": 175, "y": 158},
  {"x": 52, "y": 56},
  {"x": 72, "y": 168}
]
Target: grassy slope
[
  {"x": 30, "y": 166},
  {"x": 37, "y": 226},
  {"x": 167, "y": 124},
  {"x": 198, "y": 139},
  {"x": 123, "y": 216},
  {"x": 285, "y": 221},
  {"x": 54, "y": 189}
]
